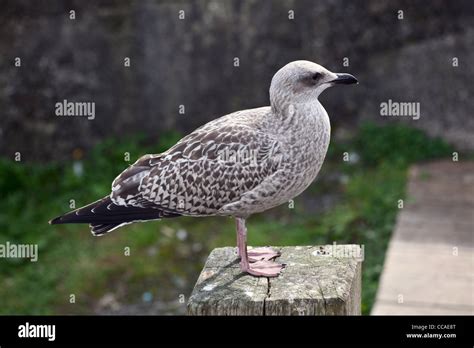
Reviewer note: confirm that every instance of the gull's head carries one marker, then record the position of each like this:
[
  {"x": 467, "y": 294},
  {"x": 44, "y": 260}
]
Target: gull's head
[{"x": 302, "y": 81}]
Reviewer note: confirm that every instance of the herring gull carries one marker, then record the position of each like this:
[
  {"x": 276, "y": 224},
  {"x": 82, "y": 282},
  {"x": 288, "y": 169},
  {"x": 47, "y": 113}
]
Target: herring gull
[{"x": 237, "y": 165}]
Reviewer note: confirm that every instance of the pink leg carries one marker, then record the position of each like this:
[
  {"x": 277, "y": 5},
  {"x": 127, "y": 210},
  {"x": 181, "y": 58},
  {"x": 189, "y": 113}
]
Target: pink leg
[
  {"x": 261, "y": 267},
  {"x": 239, "y": 246}
]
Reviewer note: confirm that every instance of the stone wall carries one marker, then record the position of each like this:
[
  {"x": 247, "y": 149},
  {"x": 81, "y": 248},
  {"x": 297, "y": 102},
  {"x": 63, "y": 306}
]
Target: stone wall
[{"x": 190, "y": 62}]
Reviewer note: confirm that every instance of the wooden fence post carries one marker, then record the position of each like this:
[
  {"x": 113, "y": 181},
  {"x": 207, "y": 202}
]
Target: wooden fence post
[{"x": 317, "y": 280}]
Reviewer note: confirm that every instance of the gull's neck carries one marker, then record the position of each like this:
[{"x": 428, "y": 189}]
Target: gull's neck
[{"x": 283, "y": 111}]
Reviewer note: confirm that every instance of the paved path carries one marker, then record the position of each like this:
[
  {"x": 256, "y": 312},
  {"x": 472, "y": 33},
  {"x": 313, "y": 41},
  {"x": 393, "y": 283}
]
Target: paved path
[{"x": 429, "y": 266}]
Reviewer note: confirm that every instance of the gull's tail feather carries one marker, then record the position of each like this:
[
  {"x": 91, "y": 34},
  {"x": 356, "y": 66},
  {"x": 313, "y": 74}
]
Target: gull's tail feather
[
  {"x": 105, "y": 216},
  {"x": 100, "y": 229}
]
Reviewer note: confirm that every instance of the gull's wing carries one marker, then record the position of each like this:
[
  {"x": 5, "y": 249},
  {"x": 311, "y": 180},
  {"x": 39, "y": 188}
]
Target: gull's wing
[{"x": 211, "y": 167}]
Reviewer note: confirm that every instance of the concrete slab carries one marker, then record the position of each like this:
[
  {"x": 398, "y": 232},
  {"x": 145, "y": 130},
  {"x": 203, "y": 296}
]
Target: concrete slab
[{"x": 429, "y": 266}]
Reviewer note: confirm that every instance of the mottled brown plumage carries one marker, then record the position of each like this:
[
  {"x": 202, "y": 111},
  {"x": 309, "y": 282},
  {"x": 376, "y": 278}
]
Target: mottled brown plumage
[{"x": 206, "y": 170}]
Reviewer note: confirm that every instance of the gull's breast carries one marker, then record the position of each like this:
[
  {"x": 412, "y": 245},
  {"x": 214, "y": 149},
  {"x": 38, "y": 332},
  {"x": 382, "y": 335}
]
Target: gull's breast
[{"x": 308, "y": 151}]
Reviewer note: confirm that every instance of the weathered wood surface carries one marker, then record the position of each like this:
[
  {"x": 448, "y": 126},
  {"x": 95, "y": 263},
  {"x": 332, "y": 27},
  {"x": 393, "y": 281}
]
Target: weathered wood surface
[{"x": 317, "y": 280}]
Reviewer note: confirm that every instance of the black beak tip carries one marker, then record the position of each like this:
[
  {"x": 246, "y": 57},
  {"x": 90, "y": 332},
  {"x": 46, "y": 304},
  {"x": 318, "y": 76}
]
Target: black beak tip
[{"x": 345, "y": 79}]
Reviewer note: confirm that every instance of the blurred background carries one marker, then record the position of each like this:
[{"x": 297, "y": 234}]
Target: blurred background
[{"x": 422, "y": 54}]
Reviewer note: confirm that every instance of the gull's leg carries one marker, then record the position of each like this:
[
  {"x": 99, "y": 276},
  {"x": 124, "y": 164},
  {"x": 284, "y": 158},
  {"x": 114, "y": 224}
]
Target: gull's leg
[
  {"x": 239, "y": 239},
  {"x": 261, "y": 268}
]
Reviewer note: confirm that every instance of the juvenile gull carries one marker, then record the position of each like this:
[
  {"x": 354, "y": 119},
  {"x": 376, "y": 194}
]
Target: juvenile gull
[{"x": 237, "y": 165}]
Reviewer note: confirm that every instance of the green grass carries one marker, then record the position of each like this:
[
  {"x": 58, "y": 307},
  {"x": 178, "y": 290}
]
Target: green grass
[{"x": 71, "y": 261}]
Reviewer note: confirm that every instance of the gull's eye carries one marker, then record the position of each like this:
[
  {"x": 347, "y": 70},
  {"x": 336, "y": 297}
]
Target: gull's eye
[
  {"x": 312, "y": 79},
  {"x": 316, "y": 76}
]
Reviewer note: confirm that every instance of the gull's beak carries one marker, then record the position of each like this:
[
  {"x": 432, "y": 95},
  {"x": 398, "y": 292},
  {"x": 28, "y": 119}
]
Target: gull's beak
[{"x": 344, "y": 79}]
